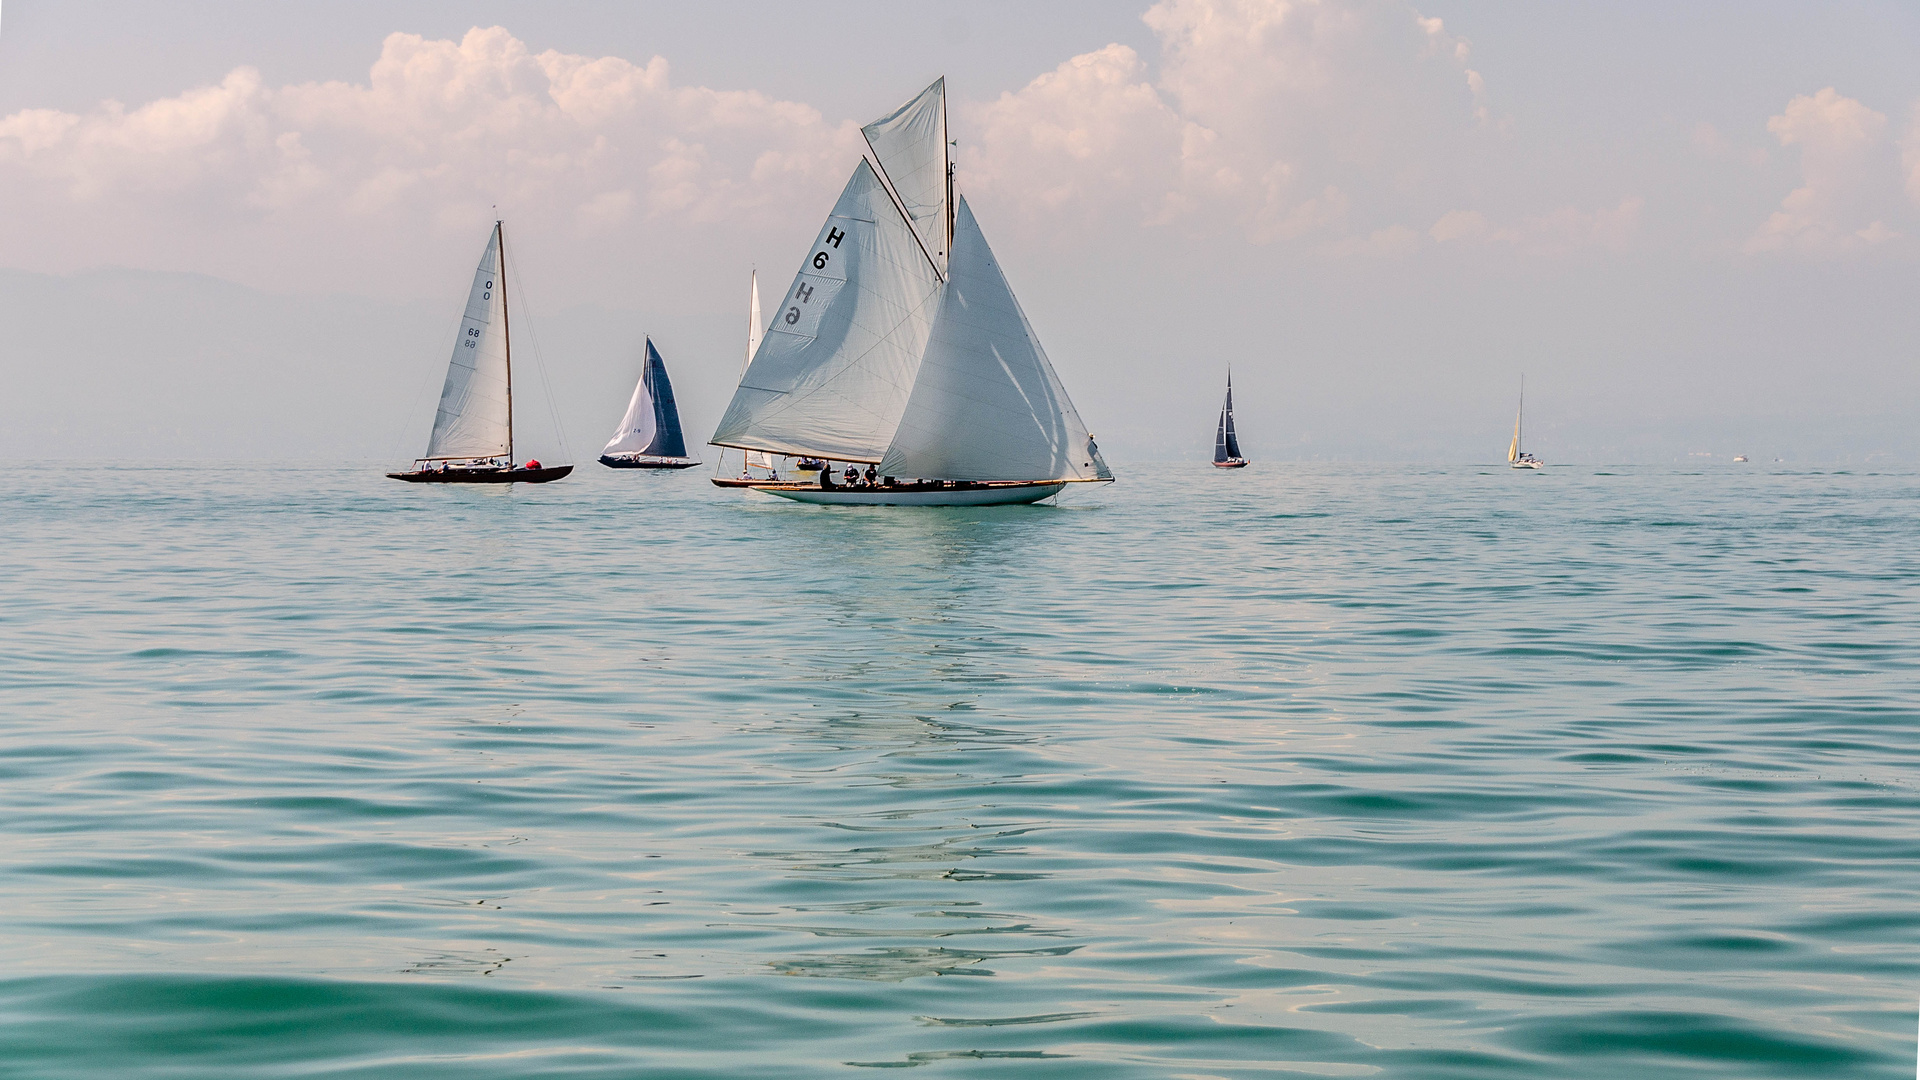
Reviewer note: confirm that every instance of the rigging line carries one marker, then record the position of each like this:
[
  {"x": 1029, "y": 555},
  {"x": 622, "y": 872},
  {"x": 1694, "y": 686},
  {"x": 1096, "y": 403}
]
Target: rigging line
[
  {"x": 540, "y": 363},
  {"x": 399, "y": 427}
]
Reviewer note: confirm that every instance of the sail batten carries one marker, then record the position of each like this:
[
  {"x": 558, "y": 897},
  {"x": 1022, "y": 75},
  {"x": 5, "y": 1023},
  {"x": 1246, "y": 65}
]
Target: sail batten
[{"x": 475, "y": 417}]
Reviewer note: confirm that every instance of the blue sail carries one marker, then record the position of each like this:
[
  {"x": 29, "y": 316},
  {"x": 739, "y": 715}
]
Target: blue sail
[{"x": 667, "y": 440}]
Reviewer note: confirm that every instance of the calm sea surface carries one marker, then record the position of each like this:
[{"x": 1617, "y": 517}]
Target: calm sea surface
[{"x": 1321, "y": 770}]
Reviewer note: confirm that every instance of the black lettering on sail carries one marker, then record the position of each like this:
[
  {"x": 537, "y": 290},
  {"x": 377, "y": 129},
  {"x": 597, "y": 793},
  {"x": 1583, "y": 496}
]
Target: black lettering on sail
[
  {"x": 834, "y": 236},
  {"x": 803, "y": 293}
]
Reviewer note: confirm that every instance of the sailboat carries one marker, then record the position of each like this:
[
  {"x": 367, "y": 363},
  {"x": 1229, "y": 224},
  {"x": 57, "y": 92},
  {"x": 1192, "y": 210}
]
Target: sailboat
[
  {"x": 1517, "y": 457},
  {"x": 900, "y": 346},
  {"x": 472, "y": 440},
  {"x": 649, "y": 435},
  {"x": 1226, "y": 445}
]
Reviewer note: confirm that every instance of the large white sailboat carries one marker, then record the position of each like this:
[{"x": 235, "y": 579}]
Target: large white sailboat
[
  {"x": 1516, "y": 457},
  {"x": 900, "y": 346},
  {"x": 472, "y": 440}
]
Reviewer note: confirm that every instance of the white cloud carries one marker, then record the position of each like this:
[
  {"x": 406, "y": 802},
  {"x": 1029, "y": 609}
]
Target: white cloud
[
  {"x": 1325, "y": 124},
  {"x": 1274, "y": 120},
  {"x": 1845, "y": 167},
  {"x": 439, "y": 134},
  {"x": 1567, "y": 228},
  {"x": 1088, "y": 135},
  {"x": 1910, "y": 155}
]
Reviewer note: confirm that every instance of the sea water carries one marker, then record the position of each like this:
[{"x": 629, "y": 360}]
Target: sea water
[{"x": 1303, "y": 769}]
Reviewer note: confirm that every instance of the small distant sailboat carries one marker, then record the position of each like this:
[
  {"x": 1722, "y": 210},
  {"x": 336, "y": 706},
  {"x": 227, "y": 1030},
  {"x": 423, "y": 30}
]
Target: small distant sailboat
[
  {"x": 756, "y": 459},
  {"x": 1517, "y": 457},
  {"x": 1226, "y": 444},
  {"x": 900, "y": 346},
  {"x": 649, "y": 435},
  {"x": 472, "y": 440}
]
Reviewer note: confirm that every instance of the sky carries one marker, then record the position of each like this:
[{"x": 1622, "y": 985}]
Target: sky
[{"x": 242, "y": 230}]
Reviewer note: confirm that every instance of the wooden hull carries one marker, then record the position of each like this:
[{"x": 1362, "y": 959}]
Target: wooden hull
[
  {"x": 1231, "y": 463},
  {"x": 483, "y": 476},
  {"x": 646, "y": 461},
  {"x": 996, "y": 493}
]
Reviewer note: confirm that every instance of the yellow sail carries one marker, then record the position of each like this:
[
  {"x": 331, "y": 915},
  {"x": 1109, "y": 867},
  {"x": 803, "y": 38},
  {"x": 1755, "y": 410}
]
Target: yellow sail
[{"x": 1513, "y": 452}]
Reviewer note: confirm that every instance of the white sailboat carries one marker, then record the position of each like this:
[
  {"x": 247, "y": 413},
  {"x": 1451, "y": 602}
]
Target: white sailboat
[
  {"x": 900, "y": 346},
  {"x": 472, "y": 440},
  {"x": 649, "y": 434},
  {"x": 1516, "y": 457}
]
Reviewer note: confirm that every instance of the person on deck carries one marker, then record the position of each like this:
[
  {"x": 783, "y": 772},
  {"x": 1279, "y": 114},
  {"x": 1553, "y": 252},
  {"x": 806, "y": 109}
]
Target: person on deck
[{"x": 872, "y": 475}]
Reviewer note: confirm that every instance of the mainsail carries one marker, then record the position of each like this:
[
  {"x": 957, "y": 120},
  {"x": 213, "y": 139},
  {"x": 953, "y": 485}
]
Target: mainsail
[
  {"x": 833, "y": 373},
  {"x": 652, "y": 423},
  {"x": 910, "y": 145},
  {"x": 475, "y": 418},
  {"x": 987, "y": 404},
  {"x": 1226, "y": 444}
]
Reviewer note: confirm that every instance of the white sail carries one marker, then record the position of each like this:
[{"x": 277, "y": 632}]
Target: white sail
[
  {"x": 1513, "y": 451},
  {"x": 837, "y": 364},
  {"x": 754, "y": 325},
  {"x": 755, "y": 458},
  {"x": 987, "y": 404},
  {"x": 636, "y": 429},
  {"x": 475, "y": 419},
  {"x": 911, "y": 147}
]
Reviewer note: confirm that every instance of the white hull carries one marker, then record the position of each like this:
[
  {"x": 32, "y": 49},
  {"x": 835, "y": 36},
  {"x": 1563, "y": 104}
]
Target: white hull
[
  {"x": 1529, "y": 465},
  {"x": 1002, "y": 495}
]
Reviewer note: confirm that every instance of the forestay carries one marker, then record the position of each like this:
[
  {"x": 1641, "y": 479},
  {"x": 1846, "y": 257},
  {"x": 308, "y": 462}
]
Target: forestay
[
  {"x": 833, "y": 374},
  {"x": 911, "y": 147},
  {"x": 987, "y": 404},
  {"x": 475, "y": 418}
]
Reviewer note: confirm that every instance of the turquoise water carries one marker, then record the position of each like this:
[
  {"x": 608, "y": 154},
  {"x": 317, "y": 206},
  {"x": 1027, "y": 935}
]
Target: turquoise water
[{"x": 1320, "y": 770}]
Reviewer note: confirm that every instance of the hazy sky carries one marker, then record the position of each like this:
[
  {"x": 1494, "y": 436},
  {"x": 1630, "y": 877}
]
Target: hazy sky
[{"x": 236, "y": 228}]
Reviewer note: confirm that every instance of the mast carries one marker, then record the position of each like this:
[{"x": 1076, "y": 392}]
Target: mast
[
  {"x": 946, "y": 151},
  {"x": 506, "y": 332}
]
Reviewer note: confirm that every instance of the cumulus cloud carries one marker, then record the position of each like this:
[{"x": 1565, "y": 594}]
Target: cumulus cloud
[
  {"x": 1278, "y": 120},
  {"x": 1846, "y": 171},
  {"x": 1910, "y": 155},
  {"x": 1335, "y": 125},
  {"x": 438, "y": 134},
  {"x": 1564, "y": 229}
]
